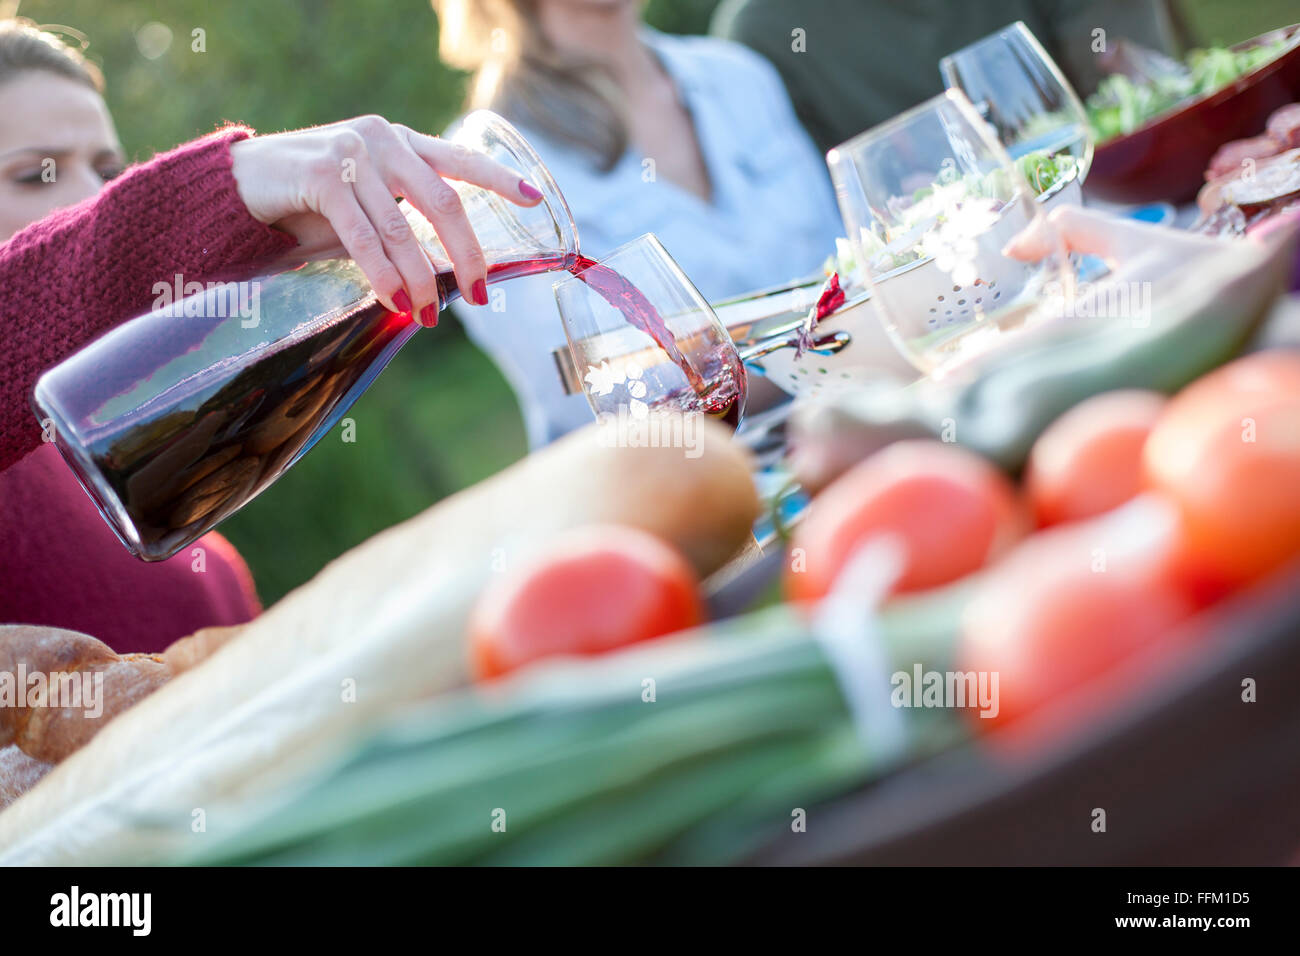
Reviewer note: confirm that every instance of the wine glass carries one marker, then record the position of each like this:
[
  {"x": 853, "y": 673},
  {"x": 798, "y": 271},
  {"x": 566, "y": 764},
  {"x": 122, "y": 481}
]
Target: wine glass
[
  {"x": 642, "y": 337},
  {"x": 929, "y": 200},
  {"x": 1018, "y": 89}
]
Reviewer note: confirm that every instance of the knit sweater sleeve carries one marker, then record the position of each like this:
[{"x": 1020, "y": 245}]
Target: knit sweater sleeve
[{"x": 80, "y": 271}]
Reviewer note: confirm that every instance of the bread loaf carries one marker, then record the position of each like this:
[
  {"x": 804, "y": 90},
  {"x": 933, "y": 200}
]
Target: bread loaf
[
  {"x": 50, "y": 730},
  {"x": 43, "y": 665},
  {"x": 104, "y": 685}
]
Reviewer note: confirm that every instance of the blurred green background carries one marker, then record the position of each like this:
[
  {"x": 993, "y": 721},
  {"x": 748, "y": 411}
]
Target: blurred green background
[{"x": 441, "y": 417}]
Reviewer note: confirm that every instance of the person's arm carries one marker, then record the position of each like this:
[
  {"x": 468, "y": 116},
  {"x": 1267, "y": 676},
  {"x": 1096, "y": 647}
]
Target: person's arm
[{"x": 82, "y": 270}]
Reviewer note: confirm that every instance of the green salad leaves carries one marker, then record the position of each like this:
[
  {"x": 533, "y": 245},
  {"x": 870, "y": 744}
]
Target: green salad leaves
[{"x": 1121, "y": 105}]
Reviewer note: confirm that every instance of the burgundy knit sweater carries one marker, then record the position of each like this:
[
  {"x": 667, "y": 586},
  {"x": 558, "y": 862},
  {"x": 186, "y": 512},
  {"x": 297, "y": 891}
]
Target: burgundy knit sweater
[{"x": 63, "y": 282}]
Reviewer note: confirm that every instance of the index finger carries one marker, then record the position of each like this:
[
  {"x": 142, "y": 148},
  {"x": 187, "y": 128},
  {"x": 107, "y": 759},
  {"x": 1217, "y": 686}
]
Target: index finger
[{"x": 455, "y": 161}]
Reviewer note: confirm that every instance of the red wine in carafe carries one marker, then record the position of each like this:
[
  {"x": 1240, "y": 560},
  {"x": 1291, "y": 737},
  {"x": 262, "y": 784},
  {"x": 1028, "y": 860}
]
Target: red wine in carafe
[
  {"x": 180, "y": 469},
  {"x": 182, "y": 463}
]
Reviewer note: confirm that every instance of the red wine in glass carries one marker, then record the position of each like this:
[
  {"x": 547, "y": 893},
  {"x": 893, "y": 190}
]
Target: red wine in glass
[
  {"x": 637, "y": 310},
  {"x": 722, "y": 392},
  {"x": 715, "y": 376}
]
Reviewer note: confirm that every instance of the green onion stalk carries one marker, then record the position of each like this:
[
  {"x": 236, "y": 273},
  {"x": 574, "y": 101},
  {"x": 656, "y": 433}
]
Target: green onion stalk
[{"x": 693, "y": 749}]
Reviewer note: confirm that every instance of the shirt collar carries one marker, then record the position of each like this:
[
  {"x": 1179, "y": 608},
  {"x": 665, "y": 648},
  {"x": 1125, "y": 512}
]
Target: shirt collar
[{"x": 683, "y": 69}]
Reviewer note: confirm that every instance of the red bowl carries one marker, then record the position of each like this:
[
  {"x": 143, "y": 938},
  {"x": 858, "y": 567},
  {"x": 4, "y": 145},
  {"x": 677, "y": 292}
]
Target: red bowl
[{"x": 1165, "y": 159}]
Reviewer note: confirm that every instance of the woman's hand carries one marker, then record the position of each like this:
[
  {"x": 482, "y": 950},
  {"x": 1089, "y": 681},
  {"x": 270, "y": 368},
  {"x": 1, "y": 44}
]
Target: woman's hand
[
  {"x": 1123, "y": 243},
  {"x": 333, "y": 188}
]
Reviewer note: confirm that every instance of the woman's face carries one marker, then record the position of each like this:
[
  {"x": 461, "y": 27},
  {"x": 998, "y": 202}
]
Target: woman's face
[{"x": 57, "y": 147}]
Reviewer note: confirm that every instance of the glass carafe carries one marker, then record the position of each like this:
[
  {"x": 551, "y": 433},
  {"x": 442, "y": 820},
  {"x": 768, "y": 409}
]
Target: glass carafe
[{"x": 176, "y": 419}]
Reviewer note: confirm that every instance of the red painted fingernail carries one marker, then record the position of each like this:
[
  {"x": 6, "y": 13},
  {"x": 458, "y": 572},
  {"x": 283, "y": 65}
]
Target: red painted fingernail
[
  {"x": 402, "y": 300},
  {"x": 478, "y": 293},
  {"x": 528, "y": 191},
  {"x": 429, "y": 316}
]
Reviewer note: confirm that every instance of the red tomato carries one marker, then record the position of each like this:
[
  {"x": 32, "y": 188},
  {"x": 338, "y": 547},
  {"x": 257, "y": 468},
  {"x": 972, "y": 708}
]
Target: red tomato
[
  {"x": 1089, "y": 460},
  {"x": 592, "y": 590},
  {"x": 1227, "y": 450},
  {"x": 1071, "y": 603},
  {"x": 952, "y": 510}
]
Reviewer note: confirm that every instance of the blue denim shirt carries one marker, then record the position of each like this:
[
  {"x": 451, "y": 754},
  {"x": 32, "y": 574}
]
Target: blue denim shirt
[{"x": 771, "y": 218}]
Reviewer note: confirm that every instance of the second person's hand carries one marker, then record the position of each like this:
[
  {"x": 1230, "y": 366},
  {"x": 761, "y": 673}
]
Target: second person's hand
[{"x": 1123, "y": 243}]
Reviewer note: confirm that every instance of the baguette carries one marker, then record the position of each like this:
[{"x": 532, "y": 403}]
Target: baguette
[{"x": 376, "y": 629}]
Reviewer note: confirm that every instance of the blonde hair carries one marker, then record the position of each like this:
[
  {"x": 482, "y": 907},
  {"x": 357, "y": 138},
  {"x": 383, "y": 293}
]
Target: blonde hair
[
  {"x": 519, "y": 73},
  {"x": 24, "y": 46}
]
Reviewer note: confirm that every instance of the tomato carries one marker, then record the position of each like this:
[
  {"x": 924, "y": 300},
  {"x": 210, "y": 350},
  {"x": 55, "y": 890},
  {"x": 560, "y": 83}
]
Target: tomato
[
  {"x": 1071, "y": 603},
  {"x": 590, "y": 591},
  {"x": 1089, "y": 460},
  {"x": 952, "y": 510},
  {"x": 1227, "y": 450}
]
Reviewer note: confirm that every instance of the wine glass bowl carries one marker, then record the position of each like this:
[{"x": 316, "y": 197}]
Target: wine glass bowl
[
  {"x": 642, "y": 337},
  {"x": 929, "y": 200},
  {"x": 1018, "y": 89}
]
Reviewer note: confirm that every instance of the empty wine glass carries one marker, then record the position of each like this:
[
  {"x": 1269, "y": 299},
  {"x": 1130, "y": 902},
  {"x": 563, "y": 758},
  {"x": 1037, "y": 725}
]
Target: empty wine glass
[
  {"x": 929, "y": 200},
  {"x": 1017, "y": 88},
  {"x": 642, "y": 337}
]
